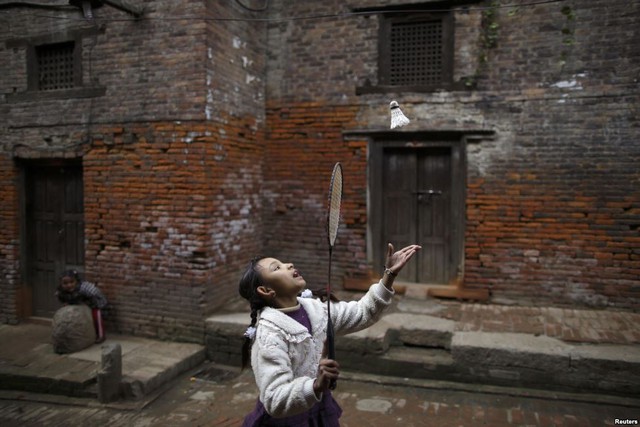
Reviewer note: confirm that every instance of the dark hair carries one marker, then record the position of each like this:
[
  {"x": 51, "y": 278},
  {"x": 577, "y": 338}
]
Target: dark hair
[
  {"x": 71, "y": 273},
  {"x": 247, "y": 288}
]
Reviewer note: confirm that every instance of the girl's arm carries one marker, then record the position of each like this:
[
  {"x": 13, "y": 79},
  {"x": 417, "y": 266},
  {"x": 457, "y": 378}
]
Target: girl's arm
[
  {"x": 348, "y": 317},
  {"x": 95, "y": 297}
]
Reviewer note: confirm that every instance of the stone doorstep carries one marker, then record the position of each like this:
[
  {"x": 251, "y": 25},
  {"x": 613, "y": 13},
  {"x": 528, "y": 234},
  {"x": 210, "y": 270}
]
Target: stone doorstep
[
  {"x": 407, "y": 329},
  {"x": 421, "y": 346}
]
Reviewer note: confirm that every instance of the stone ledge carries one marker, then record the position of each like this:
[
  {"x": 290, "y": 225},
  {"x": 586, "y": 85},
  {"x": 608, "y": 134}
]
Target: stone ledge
[{"x": 544, "y": 362}]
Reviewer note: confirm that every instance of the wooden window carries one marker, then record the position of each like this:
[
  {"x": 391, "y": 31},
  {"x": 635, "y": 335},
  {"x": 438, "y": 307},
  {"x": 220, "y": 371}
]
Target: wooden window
[
  {"x": 416, "y": 51},
  {"x": 415, "y": 54},
  {"x": 56, "y": 66}
]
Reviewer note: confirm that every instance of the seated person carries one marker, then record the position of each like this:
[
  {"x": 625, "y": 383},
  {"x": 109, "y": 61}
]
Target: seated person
[{"x": 74, "y": 290}]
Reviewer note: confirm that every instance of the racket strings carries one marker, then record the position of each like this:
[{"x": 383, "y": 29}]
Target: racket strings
[{"x": 335, "y": 200}]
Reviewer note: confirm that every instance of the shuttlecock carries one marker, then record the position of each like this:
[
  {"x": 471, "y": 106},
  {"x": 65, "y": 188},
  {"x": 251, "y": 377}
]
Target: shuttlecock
[{"x": 397, "y": 117}]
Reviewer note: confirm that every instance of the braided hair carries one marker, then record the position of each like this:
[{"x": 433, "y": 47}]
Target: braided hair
[{"x": 247, "y": 288}]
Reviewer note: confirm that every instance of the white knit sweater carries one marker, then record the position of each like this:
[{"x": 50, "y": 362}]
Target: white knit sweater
[{"x": 285, "y": 357}]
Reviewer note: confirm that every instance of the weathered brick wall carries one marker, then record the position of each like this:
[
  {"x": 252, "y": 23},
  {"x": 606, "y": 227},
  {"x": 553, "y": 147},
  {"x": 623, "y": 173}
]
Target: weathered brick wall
[
  {"x": 553, "y": 202},
  {"x": 304, "y": 142},
  {"x": 215, "y": 139},
  {"x": 166, "y": 229},
  {"x": 9, "y": 247},
  {"x": 553, "y": 213},
  {"x": 171, "y": 156}
]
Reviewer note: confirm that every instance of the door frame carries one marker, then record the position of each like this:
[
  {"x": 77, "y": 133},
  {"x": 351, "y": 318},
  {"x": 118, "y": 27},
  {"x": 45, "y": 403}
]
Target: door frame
[
  {"x": 456, "y": 141},
  {"x": 458, "y": 191},
  {"x": 26, "y": 306}
]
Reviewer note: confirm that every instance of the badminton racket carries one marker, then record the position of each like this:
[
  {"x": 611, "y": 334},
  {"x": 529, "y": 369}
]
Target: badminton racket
[{"x": 333, "y": 221}]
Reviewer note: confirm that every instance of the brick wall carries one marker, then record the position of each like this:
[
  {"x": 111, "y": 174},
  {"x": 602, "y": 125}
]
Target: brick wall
[
  {"x": 553, "y": 214},
  {"x": 171, "y": 156},
  {"x": 9, "y": 247},
  {"x": 553, "y": 202},
  {"x": 214, "y": 141},
  {"x": 304, "y": 142},
  {"x": 165, "y": 225}
]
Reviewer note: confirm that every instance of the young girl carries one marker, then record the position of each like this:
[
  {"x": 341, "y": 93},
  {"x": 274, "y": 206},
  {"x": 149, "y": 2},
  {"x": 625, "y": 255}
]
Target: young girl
[
  {"x": 73, "y": 290},
  {"x": 287, "y": 337}
]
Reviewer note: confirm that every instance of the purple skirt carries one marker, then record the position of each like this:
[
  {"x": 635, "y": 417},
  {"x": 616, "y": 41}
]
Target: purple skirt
[{"x": 325, "y": 413}]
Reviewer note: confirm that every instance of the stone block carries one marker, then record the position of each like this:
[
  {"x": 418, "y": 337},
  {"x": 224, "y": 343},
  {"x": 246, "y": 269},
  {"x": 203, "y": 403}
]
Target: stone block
[
  {"x": 110, "y": 374},
  {"x": 72, "y": 329}
]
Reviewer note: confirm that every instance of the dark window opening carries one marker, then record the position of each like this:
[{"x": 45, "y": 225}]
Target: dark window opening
[
  {"x": 416, "y": 53},
  {"x": 56, "y": 66},
  {"x": 416, "y": 50}
]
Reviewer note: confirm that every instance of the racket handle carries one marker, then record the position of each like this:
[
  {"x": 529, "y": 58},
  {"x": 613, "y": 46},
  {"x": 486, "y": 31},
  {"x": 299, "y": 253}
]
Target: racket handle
[{"x": 331, "y": 349}]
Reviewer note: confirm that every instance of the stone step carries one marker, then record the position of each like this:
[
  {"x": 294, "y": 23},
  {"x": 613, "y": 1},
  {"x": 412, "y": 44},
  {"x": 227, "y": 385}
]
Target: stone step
[
  {"x": 149, "y": 364},
  {"x": 402, "y": 362},
  {"x": 545, "y": 362},
  {"x": 146, "y": 366},
  {"x": 43, "y": 371},
  {"x": 426, "y": 347}
]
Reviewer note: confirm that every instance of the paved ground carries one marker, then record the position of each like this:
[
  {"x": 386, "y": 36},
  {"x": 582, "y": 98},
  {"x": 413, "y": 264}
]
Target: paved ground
[
  {"x": 206, "y": 397},
  {"x": 209, "y": 397}
]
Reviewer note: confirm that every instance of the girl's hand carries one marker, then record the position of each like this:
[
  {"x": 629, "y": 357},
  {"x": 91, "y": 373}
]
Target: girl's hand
[
  {"x": 396, "y": 261},
  {"x": 328, "y": 370}
]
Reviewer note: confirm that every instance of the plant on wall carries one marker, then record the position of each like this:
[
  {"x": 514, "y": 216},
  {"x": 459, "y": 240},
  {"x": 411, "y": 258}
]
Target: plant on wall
[{"x": 488, "y": 40}]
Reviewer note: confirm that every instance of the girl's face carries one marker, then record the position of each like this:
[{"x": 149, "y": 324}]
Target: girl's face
[
  {"x": 283, "y": 278},
  {"x": 68, "y": 283}
]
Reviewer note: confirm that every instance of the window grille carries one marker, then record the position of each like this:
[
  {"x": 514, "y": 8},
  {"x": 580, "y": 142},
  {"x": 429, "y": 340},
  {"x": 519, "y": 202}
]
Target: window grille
[
  {"x": 416, "y": 53},
  {"x": 55, "y": 66}
]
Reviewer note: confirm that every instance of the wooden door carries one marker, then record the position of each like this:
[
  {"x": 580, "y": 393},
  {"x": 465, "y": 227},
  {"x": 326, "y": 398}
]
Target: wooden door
[
  {"x": 54, "y": 227},
  {"x": 416, "y": 205}
]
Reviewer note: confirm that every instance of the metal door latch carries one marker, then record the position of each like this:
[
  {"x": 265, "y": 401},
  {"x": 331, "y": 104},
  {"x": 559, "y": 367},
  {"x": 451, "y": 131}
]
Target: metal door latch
[{"x": 426, "y": 195}]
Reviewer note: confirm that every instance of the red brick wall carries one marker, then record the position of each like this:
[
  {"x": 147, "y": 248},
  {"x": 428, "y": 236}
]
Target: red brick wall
[
  {"x": 304, "y": 142},
  {"x": 215, "y": 141},
  {"x": 172, "y": 156},
  {"x": 170, "y": 209},
  {"x": 554, "y": 204},
  {"x": 10, "y": 288},
  {"x": 557, "y": 218},
  {"x": 553, "y": 201}
]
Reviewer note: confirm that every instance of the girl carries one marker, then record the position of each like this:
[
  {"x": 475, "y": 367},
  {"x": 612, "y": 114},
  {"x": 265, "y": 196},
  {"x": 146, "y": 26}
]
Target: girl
[
  {"x": 287, "y": 336},
  {"x": 73, "y": 290}
]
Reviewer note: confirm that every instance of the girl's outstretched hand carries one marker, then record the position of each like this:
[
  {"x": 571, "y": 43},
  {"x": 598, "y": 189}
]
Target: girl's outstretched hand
[{"x": 395, "y": 261}]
